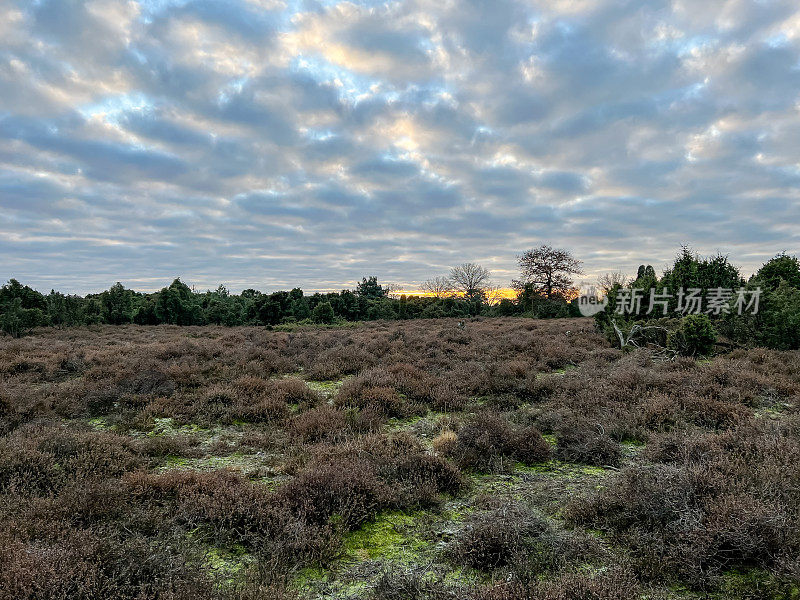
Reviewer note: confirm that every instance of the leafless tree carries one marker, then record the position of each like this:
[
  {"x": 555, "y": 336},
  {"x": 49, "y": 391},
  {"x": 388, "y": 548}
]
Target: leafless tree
[
  {"x": 393, "y": 290},
  {"x": 438, "y": 287},
  {"x": 469, "y": 278},
  {"x": 548, "y": 270},
  {"x": 607, "y": 281},
  {"x": 628, "y": 338},
  {"x": 494, "y": 293}
]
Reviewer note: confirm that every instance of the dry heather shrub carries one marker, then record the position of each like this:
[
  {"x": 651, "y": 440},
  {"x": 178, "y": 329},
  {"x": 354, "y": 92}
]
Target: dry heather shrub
[
  {"x": 176, "y": 366},
  {"x": 584, "y": 442},
  {"x": 652, "y": 496},
  {"x": 295, "y": 391},
  {"x": 643, "y": 395},
  {"x": 147, "y": 382},
  {"x": 266, "y": 410},
  {"x": 496, "y": 538},
  {"x": 445, "y": 398},
  {"x": 488, "y": 442},
  {"x": 540, "y": 388},
  {"x": 369, "y": 419},
  {"x": 84, "y": 564},
  {"x": 98, "y": 502},
  {"x": 71, "y": 363},
  {"x": 101, "y": 401},
  {"x": 326, "y": 370},
  {"x": 713, "y": 413},
  {"x": 725, "y": 501},
  {"x": 259, "y": 400},
  {"x": 24, "y": 468},
  {"x": 10, "y": 414},
  {"x": 660, "y": 412},
  {"x": 171, "y": 445},
  {"x": 418, "y": 386},
  {"x": 320, "y": 423},
  {"x": 418, "y": 477},
  {"x": 274, "y": 407},
  {"x": 664, "y": 411},
  {"x": 412, "y": 381},
  {"x": 681, "y": 446},
  {"x": 445, "y": 442},
  {"x": 374, "y": 389},
  {"x": 514, "y": 369},
  {"x": 508, "y": 379},
  {"x": 528, "y": 446},
  {"x": 232, "y": 509},
  {"x": 418, "y": 583},
  {"x": 470, "y": 378},
  {"x": 414, "y": 476},
  {"x": 752, "y": 530},
  {"x": 40, "y": 459},
  {"x": 351, "y": 490},
  {"x": 221, "y": 499},
  {"x": 250, "y": 387},
  {"x": 214, "y": 405},
  {"x": 617, "y": 583},
  {"x": 334, "y": 363},
  {"x": 252, "y": 399}
]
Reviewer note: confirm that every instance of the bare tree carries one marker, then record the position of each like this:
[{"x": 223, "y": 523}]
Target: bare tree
[
  {"x": 494, "y": 293},
  {"x": 393, "y": 290},
  {"x": 469, "y": 278},
  {"x": 609, "y": 281},
  {"x": 438, "y": 287},
  {"x": 627, "y": 338},
  {"x": 548, "y": 270}
]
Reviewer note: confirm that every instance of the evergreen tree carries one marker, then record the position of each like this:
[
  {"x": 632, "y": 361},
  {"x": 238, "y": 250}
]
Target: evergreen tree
[
  {"x": 176, "y": 305},
  {"x": 323, "y": 313},
  {"x": 369, "y": 288},
  {"x": 782, "y": 267},
  {"x": 117, "y": 305}
]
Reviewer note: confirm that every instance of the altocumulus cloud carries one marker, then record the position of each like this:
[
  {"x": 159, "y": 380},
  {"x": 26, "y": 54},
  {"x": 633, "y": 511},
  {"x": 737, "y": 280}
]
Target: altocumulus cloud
[{"x": 270, "y": 143}]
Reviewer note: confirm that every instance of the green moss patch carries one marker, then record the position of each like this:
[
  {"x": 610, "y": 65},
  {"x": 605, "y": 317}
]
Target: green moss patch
[
  {"x": 741, "y": 584},
  {"x": 250, "y": 465},
  {"x": 228, "y": 561},
  {"x": 167, "y": 426},
  {"x": 326, "y": 388},
  {"x": 389, "y": 537}
]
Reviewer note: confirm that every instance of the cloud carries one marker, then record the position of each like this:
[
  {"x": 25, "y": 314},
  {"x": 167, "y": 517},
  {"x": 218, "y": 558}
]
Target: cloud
[{"x": 269, "y": 144}]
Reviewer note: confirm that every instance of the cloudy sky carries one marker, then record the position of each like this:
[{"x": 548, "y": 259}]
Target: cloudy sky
[{"x": 271, "y": 143}]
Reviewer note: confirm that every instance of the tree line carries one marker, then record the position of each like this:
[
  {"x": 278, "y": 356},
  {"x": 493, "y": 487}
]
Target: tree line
[
  {"x": 545, "y": 289},
  {"x": 467, "y": 291}
]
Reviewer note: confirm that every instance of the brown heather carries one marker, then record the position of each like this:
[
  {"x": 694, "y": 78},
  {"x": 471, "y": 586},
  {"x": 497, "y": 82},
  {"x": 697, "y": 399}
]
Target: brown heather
[{"x": 526, "y": 458}]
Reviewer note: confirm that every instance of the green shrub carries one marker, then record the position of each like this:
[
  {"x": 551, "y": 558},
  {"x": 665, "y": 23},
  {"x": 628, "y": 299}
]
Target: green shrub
[
  {"x": 695, "y": 336},
  {"x": 17, "y": 321},
  {"x": 323, "y": 313},
  {"x": 782, "y": 267},
  {"x": 775, "y": 325}
]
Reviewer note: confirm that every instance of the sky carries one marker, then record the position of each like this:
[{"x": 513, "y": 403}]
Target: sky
[{"x": 274, "y": 144}]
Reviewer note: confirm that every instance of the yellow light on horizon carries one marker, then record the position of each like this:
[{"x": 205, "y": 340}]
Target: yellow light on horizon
[{"x": 495, "y": 295}]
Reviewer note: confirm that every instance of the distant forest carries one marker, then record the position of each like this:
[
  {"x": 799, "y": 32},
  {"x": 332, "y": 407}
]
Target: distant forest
[
  {"x": 23, "y": 308},
  {"x": 545, "y": 290}
]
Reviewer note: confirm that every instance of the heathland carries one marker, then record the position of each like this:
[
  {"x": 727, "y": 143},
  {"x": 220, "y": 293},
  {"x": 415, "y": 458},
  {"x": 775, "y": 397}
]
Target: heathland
[{"x": 482, "y": 458}]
